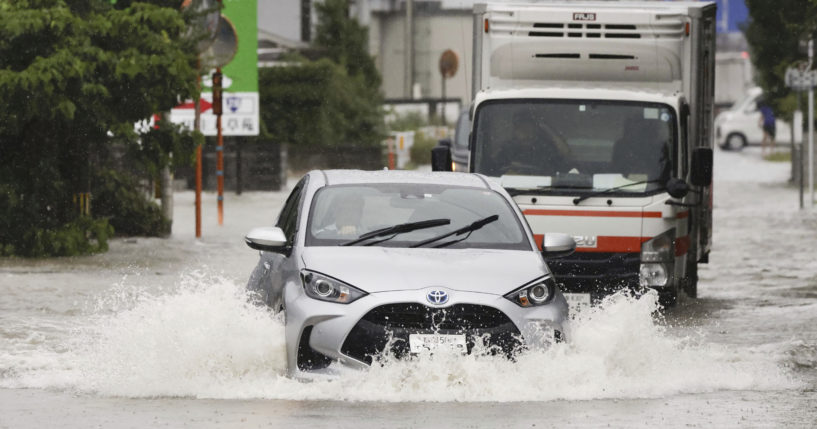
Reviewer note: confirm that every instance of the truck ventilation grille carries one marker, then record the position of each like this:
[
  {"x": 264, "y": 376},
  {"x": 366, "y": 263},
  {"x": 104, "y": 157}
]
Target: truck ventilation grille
[
  {"x": 662, "y": 27},
  {"x": 610, "y": 31}
]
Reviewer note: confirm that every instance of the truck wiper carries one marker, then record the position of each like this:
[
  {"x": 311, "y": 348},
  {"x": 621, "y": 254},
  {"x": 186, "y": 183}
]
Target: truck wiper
[
  {"x": 467, "y": 229},
  {"x": 519, "y": 191},
  {"x": 397, "y": 229},
  {"x": 577, "y": 200},
  {"x": 539, "y": 189}
]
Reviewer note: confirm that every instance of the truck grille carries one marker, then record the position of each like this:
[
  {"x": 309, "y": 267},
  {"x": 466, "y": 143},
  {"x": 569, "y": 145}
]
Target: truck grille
[
  {"x": 596, "y": 273},
  {"x": 395, "y": 322}
]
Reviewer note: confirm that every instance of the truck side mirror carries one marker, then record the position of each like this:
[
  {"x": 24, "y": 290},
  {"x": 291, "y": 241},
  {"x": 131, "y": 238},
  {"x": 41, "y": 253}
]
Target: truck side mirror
[
  {"x": 677, "y": 188},
  {"x": 441, "y": 156},
  {"x": 702, "y": 166}
]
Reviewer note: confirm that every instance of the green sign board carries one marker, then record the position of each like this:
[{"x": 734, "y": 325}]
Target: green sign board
[
  {"x": 243, "y": 69},
  {"x": 240, "y": 78}
]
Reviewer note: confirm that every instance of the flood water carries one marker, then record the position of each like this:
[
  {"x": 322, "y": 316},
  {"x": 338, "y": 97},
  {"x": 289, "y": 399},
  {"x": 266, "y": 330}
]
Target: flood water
[{"x": 159, "y": 333}]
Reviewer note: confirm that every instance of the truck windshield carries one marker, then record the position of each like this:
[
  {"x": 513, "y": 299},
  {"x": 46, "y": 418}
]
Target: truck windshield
[{"x": 570, "y": 146}]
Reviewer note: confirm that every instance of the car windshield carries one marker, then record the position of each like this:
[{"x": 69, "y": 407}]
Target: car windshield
[
  {"x": 576, "y": 145},
  {"x": 341, "y": 213},
  {"x": 745, "y": 102}
]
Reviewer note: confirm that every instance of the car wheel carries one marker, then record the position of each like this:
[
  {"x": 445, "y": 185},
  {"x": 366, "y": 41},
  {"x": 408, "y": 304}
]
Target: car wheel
[{"x": 735, "y": 141}]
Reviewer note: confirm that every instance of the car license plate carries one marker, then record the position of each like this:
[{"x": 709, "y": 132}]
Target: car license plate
[
  {"x": 424, "y": 343},
  {"x": 577, "y": 301}
]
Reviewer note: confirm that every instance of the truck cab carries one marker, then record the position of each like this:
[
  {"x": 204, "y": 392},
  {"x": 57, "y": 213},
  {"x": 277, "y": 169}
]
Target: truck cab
[{"x": 597, "y": 118}]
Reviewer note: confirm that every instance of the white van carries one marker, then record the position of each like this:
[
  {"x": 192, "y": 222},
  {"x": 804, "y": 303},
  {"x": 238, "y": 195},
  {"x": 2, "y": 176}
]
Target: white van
[{"x": 739, "y": 126}]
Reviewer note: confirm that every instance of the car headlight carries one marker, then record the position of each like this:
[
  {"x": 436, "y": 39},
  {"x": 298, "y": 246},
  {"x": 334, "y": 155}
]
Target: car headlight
[
  {"x": 539, "y": 292},
  {"x": 657, "y": 260},
  {"x": 325, "y": 288}
]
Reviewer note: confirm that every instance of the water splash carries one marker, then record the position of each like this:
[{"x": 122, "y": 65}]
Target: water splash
[{"x": 205, "y": 339}]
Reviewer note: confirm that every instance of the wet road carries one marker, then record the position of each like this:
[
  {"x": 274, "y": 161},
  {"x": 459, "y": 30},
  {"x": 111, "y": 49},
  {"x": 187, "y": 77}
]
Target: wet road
[{"x": 157, "y": 333}]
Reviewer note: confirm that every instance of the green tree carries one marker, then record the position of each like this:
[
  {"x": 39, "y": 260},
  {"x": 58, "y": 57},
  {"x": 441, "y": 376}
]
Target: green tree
[
  {"x": 345, "y": 41},
  {"x": 774, "y": 34},
  {"x": 74, "y": 74},
  {"x": 332, "y": 101}
]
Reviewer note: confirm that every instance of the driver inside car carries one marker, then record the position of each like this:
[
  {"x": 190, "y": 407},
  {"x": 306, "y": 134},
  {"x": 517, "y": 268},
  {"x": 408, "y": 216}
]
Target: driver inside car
[{"x": 344, "y": 218}]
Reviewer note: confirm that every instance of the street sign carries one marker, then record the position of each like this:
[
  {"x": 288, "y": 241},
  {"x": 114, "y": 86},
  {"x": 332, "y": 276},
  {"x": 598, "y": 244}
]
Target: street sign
[
  {"x": 448, "y": 64},
  {"x": 224, "y": 46},
  {"x": 801, "y": 80},
  {"x": 240, "y": 80}
]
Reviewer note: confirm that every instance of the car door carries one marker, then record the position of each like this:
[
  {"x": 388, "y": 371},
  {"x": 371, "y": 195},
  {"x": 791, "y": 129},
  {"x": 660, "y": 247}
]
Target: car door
[
  {"x": 749, "y": 119},
  {"x": 270, "y": 276}
]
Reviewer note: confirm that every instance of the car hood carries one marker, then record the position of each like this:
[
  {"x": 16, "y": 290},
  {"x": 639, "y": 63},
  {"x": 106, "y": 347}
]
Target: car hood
[{"x": 380, "y": 269}]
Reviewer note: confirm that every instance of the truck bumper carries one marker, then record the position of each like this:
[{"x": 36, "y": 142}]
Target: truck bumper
[{"x": 599, "y": 274}]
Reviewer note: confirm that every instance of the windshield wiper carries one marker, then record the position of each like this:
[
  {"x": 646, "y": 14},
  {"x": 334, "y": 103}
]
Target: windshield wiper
[
  {"x": 467, "y": 229},
  {"x": 539, "y": 189},
  {"x": 397, "y": 229},
  {"x": 577, "y": 200}
]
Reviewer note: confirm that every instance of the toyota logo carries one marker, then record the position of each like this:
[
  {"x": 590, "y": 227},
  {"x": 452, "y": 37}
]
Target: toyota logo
[{"x": 437, "y": 297}]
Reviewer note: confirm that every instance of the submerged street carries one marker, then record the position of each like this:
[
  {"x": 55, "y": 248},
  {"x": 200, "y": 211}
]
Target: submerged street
[{"x": 158, "y": 332}]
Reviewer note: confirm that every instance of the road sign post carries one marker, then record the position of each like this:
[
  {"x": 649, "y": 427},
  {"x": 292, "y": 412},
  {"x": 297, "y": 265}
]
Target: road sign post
[
  {"x": 448, "y": 68},
  {"x": 217, "y": 110},
  {"x": 205, "y": 25},
  {"x": 233, "y": 52},
  {"x": 804, "y": 79}
]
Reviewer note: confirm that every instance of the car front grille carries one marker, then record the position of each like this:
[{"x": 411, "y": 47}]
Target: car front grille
[
  {"x": 418, "y": 316},
  {"x": 390, "y": 326}
]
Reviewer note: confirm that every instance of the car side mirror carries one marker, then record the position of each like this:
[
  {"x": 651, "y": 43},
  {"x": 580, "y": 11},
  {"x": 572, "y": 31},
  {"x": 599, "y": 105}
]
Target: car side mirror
[
  {"x": 702, "y": 166},
  {"x": 441, "y": 156},
  {"x": 557, "y": 245},
  {"x": 267, "y": 238},
  {"x": 677, "y": 188}
]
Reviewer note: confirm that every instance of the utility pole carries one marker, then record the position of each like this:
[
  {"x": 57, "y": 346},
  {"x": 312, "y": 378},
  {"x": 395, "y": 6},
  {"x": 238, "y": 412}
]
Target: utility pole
[
  {"x": 197, "y": 127},
  {"x": 408, "y": 85},
  {"x": 217, "y": 110},
  {"x": 810, "y": 130}
]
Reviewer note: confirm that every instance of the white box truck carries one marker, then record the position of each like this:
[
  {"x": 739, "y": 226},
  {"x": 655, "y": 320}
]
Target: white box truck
[{"x": 597, "y": 118}]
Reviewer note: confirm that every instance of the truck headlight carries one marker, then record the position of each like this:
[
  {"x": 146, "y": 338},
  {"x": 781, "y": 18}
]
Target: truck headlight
[
  {"x": 325, "y": 288},
  {"x": 657, "y": 260},
  {"x": 538, "y": 292},
  {"x": 653, "y": 275}
]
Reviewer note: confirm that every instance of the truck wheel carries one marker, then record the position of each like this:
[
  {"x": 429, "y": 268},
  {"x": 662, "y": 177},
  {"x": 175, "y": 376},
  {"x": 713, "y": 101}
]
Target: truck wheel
[
  {"x": 691, "y": 281},
  {"x": 668, "y": 298},
  {"x": 735, "y": 141}
]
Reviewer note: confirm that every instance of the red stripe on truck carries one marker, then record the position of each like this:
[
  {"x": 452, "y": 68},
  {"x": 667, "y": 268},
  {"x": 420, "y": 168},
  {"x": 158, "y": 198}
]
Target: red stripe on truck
[
  {"x": 591, "y": 213},
  {"x": 607, "y": 244}
]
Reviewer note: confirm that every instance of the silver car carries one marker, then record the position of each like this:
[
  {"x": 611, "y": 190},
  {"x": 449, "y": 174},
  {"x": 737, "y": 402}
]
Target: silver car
[{"x": 405, "y": 263}]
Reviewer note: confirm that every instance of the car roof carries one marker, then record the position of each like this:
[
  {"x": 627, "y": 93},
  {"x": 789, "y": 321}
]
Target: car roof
[{"x": 348, "y": 177}]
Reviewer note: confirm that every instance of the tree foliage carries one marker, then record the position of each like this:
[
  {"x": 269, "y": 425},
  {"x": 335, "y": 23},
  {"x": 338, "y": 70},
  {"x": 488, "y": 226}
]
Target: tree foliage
[
  {"x": 774, "y": 34},
  {"x": 333, "y": 101},
  {"x": 317, "y": 103},
  {"x": 345, "y": 41},
  {"x": 74, "y": 73}
]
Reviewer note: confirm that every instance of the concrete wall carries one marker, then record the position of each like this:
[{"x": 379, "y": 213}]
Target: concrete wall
[
  {"x": 281, "y": 17},
  {"x": 434, "y": 33}
]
